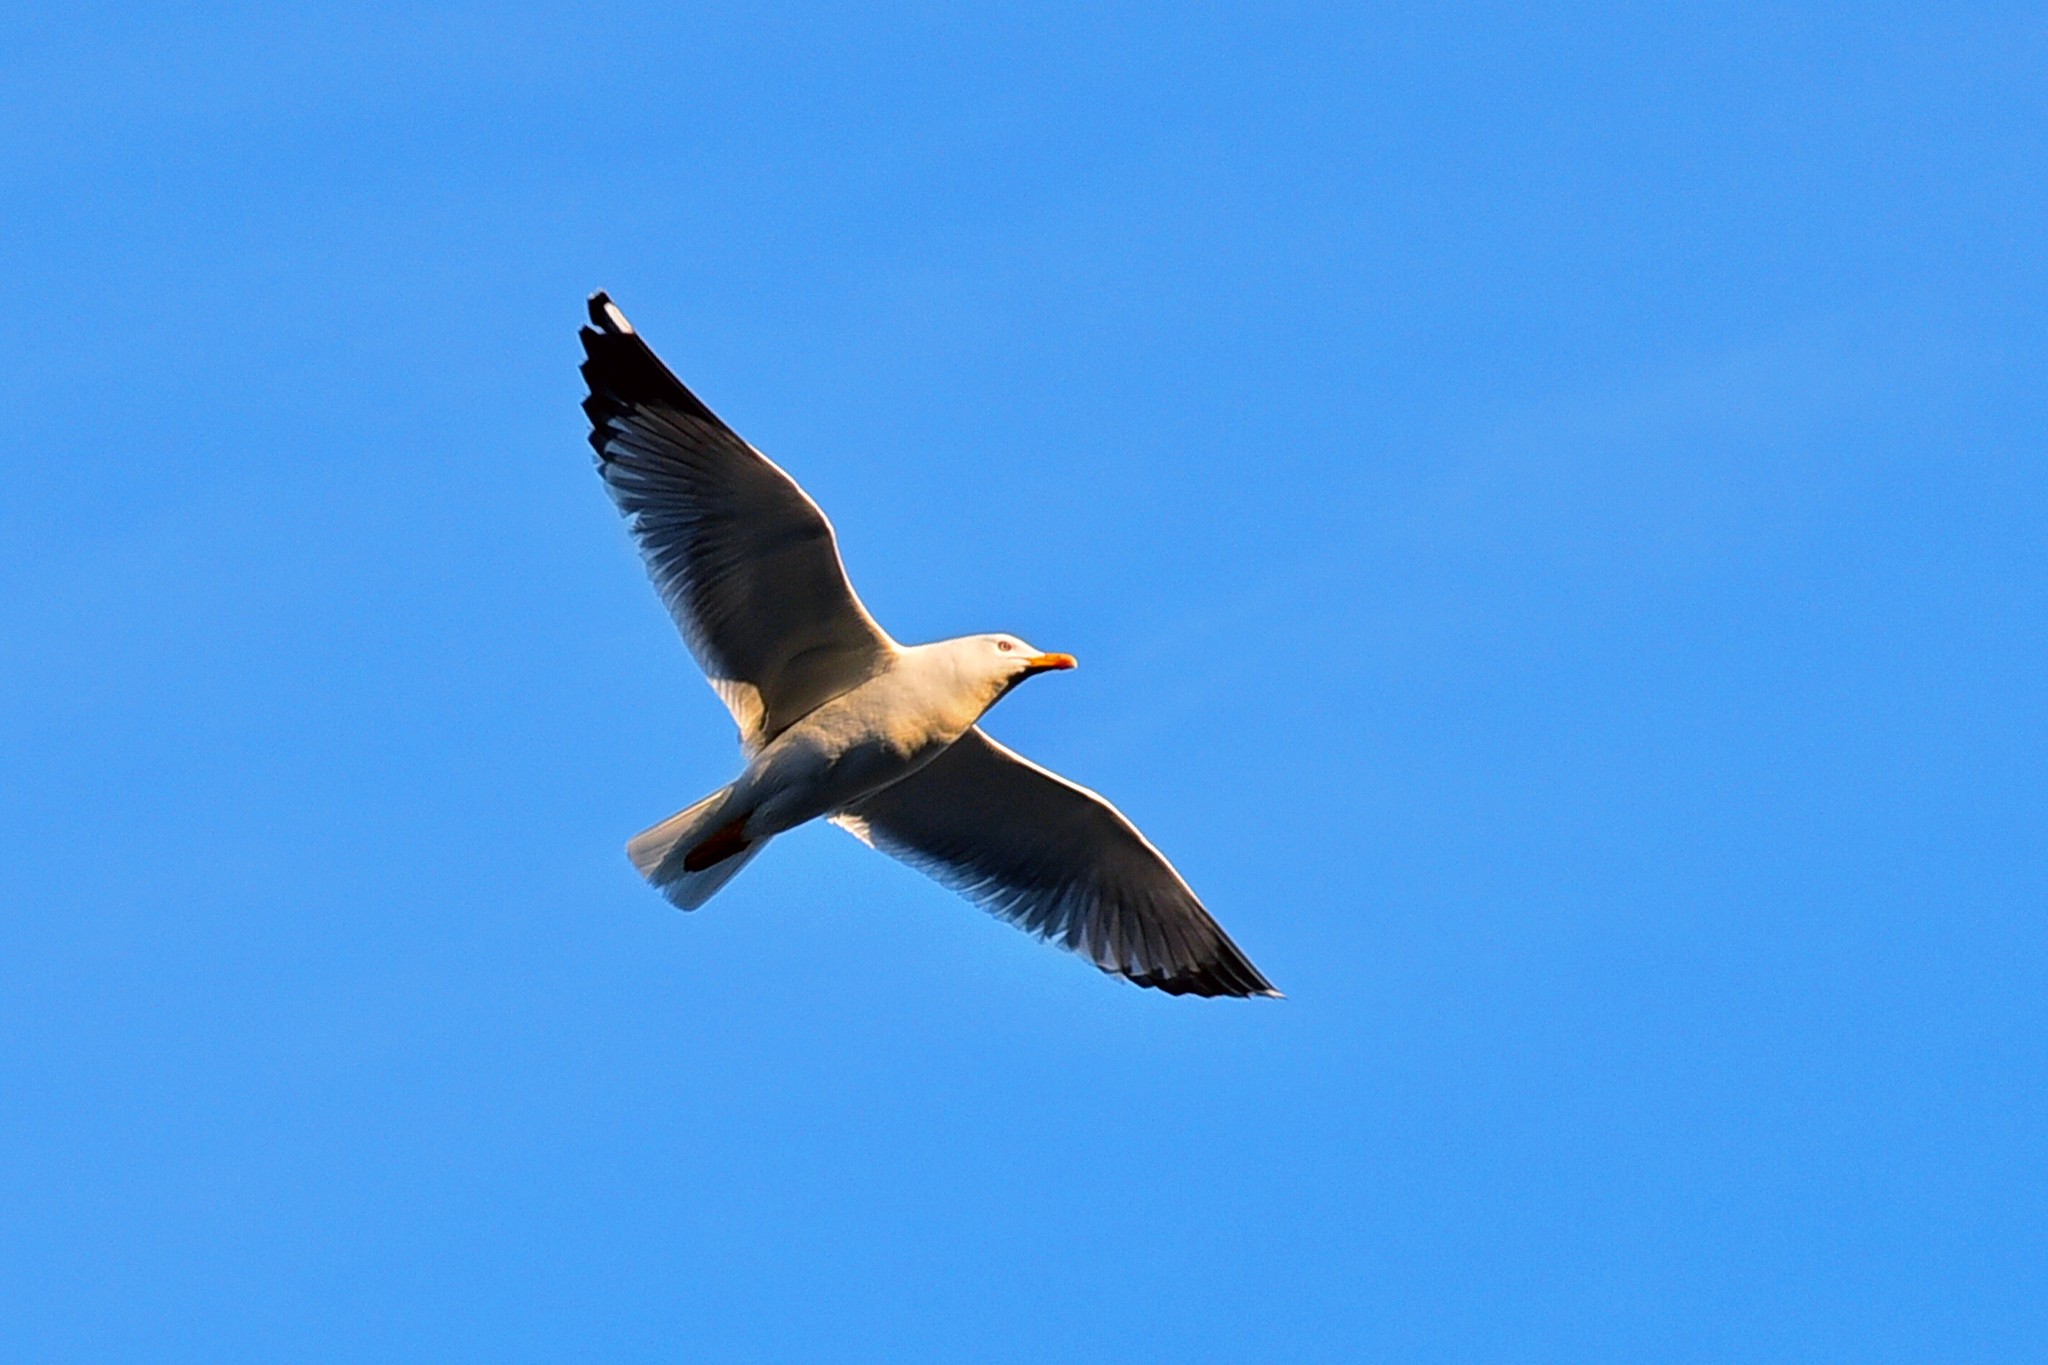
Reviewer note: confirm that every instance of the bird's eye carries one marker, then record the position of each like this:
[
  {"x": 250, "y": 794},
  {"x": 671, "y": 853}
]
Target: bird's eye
[{"x": 1003, "y": 645}]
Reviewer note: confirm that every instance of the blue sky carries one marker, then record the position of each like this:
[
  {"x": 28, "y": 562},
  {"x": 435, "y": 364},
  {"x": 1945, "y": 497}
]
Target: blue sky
[{"x": 1548, "y": 501}]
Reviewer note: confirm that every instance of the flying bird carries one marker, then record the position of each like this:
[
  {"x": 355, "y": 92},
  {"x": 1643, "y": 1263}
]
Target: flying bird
[{"x": 839, "y": 721}]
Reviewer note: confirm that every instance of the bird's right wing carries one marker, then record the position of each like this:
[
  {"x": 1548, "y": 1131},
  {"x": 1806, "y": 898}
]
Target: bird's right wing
[
  {"x": 745, "y": 561},
  {"x": 1056, "y": 860}
]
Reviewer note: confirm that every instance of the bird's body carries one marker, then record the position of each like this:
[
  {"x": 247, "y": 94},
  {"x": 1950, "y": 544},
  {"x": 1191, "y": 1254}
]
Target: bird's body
[
  {"x": 879, "y": 732},
  {"x": 841, "y": 722},
  {"x": 851, "y": 747}
]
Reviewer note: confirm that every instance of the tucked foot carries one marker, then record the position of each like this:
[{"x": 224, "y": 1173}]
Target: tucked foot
[{"x": 728, "y": 841}]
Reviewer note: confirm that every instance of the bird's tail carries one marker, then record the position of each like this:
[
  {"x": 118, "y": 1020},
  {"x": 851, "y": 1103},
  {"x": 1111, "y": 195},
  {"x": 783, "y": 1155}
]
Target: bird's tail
[{"x": 694, "y": 852}]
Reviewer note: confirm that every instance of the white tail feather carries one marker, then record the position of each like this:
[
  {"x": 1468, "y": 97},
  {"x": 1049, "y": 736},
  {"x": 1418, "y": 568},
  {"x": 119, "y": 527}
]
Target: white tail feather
[{"x": 659, "y": 851}]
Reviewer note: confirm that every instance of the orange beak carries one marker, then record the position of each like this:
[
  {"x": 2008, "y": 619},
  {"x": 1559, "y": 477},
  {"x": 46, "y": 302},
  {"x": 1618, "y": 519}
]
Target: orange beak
[{"x": 1046, "y": 663}]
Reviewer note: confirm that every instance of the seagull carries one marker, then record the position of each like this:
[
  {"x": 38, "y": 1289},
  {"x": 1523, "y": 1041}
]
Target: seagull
[{"x": 838, "y": 721}]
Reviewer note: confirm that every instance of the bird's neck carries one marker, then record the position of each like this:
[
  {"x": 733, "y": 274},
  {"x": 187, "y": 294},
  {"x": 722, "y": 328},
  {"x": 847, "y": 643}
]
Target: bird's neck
[{"x": 955, "y": 695}]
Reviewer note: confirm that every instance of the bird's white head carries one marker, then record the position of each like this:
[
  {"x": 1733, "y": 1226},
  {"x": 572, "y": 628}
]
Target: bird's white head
[{"x": 993, "y": 664}]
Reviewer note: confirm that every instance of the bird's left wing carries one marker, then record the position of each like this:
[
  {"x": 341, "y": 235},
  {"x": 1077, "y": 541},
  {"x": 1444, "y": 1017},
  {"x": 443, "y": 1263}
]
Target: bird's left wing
[
  {"x": 746, "y": 562},
  {"x": 1057, "y": 860}
]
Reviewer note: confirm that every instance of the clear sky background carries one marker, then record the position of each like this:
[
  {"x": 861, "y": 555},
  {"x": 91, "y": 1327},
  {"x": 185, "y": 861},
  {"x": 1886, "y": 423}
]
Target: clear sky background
[{"x": 1549, "y": 501}]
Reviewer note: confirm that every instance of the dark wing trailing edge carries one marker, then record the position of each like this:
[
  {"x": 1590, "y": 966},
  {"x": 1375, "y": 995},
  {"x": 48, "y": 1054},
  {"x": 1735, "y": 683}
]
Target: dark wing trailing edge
[
  {"x": 745, "y": 561},
  {"x": 1057, "y": 860}
]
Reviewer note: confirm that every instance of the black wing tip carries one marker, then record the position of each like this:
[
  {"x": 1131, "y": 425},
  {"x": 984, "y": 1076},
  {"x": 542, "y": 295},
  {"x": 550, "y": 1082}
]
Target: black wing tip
[
  {"x": 1227, "y": 971},
  {"x": 606, "y": 317},
  {"x": 623, "y": 373},
  {"x": 1237, "y": 980}
]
